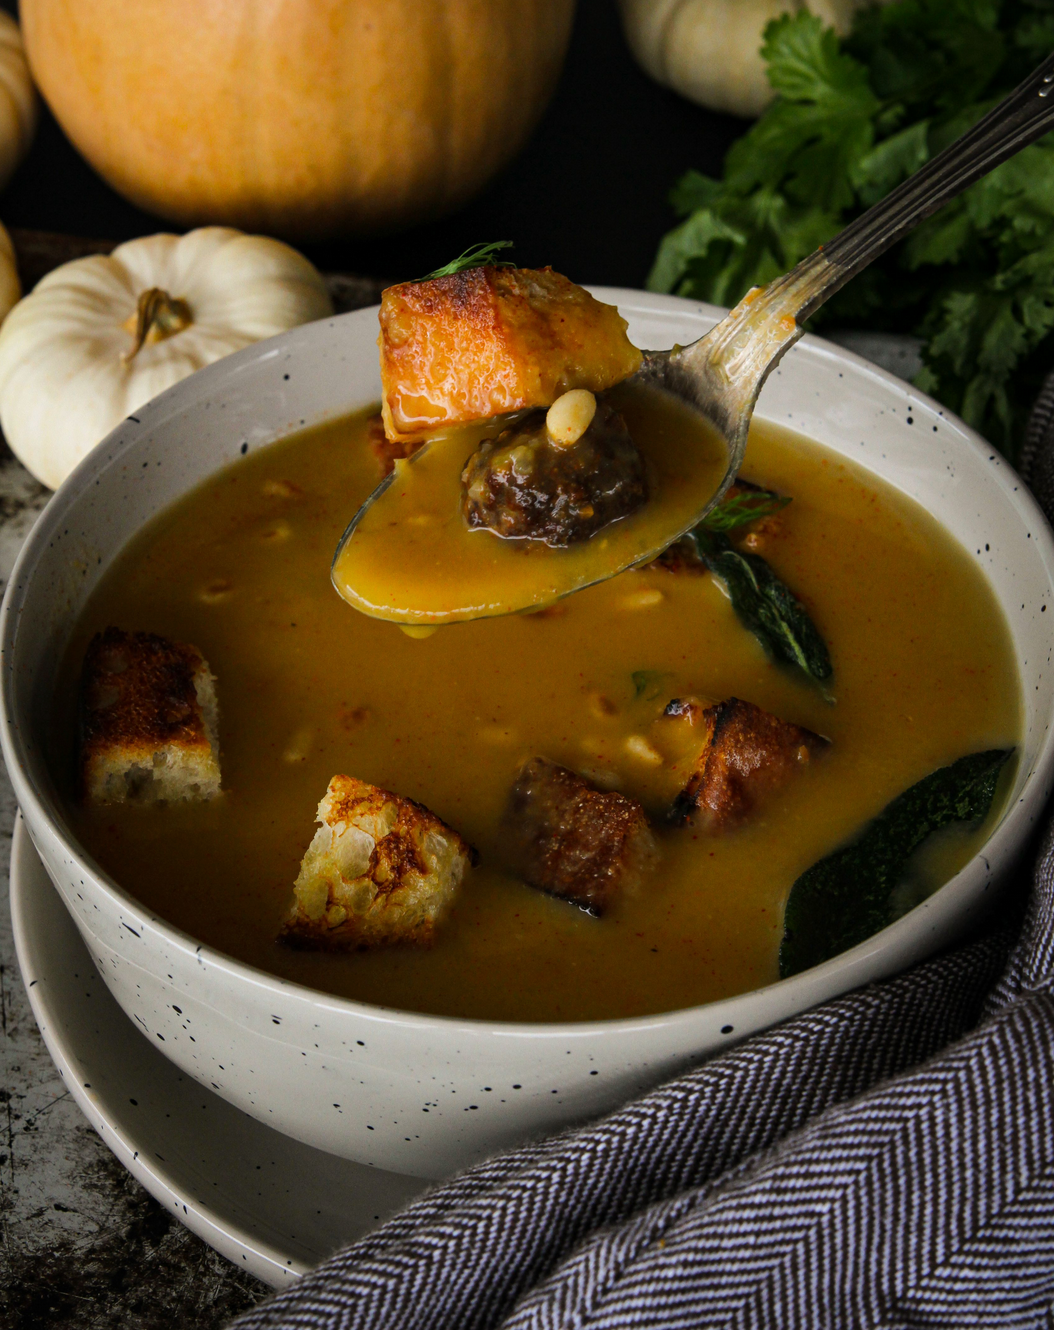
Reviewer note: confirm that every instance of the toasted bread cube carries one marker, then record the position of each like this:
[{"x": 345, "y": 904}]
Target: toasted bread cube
[
  {"x": 149, "y": 721},
  {"x": 381, "y": 869},
  {"x": 488, "y": 341},
  {"x": 746, "y": 755},
  {"x": 574, "y": 840}
]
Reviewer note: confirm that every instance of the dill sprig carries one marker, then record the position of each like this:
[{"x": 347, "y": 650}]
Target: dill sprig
[{"x": 476, "y": 256}]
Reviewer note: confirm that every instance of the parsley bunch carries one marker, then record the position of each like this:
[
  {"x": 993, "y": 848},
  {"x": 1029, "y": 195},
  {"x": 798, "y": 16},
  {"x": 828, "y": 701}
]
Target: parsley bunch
[{"x": 852, "y": 119}]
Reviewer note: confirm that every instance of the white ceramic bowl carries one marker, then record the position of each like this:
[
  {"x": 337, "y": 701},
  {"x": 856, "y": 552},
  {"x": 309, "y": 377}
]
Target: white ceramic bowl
[{"x": 424, "y": 1094}]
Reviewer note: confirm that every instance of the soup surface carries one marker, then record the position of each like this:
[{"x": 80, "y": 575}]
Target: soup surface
[{"x": 923, "y": 673}]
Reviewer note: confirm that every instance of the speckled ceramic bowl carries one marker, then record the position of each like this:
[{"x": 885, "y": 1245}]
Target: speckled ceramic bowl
[{"x": 354, "y": 1079}]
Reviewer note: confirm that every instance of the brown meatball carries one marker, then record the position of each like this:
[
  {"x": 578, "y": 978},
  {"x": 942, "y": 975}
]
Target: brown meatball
[{"x": 522, "y": 485}]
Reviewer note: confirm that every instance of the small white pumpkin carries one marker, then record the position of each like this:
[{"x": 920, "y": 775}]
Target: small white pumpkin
[
  {"x": 710, "y": 50},
  {"x": 100, "y": 336},
  {"x": 18, "y": 99},
  {"x": 10, "y": 286}
]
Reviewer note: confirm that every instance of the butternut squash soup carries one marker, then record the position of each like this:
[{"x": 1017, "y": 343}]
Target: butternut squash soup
[{"x": 601, "y": 689}]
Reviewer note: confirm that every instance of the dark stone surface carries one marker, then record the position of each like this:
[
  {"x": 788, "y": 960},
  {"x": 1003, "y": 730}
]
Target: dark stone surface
[{"x": 136, "y": 1268}]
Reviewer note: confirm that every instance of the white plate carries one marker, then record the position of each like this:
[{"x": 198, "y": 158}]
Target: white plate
[{"x": 269, "y": 1204}]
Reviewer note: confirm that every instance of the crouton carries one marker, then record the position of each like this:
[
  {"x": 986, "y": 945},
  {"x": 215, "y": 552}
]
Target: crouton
[
  {"x": 573, "y": 840},
  {"x": 487, "y": 341},
  {"x": 746, "y": 754},
  {"x": 149, "y": 721},
  {"x": 381, "y": 869}
]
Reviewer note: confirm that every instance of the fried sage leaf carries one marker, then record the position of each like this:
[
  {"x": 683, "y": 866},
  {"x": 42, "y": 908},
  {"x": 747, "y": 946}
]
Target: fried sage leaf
[
  {"x": 846, "y": 897},
  {"x": 765, "y": 605}
]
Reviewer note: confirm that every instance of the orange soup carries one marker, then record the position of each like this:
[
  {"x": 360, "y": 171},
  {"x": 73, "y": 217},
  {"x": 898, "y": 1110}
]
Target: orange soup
[{"x": 923, "y": 673}]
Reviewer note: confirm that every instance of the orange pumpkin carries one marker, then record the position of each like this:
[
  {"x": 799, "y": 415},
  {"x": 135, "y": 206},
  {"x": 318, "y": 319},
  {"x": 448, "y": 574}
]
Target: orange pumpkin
[{"x": 304, "y": 118}]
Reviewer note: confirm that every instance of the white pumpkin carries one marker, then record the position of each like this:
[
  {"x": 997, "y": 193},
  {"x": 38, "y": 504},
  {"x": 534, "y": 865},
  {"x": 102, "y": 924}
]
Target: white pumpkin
[
  {"x": 18, "y": 99},
  {"x": 710, "y": 50},
  {"x": 10, "y": 286},
  {"x": 100, "y": 336}
]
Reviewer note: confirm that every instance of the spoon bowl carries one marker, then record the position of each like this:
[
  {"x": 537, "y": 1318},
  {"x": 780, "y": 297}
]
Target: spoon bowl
[{"x": 408, "y": 556}]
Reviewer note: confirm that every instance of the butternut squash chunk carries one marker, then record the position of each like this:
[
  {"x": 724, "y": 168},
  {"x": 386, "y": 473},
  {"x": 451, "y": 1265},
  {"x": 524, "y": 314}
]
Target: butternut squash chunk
[{"x": 488, "y": 341}]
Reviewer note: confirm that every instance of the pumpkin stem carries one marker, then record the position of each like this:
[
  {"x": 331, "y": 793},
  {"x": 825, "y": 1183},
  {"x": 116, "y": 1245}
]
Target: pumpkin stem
[{"x": 158, "y": 315}]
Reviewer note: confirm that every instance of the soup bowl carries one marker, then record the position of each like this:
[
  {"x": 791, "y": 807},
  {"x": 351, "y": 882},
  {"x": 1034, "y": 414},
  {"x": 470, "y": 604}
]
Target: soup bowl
[{"x": 420, "y": 1094}]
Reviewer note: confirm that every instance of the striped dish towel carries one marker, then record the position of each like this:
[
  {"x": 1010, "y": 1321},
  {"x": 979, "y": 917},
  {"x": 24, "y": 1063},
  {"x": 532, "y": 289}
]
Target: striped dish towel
[{"x": 884, "y": 1161}]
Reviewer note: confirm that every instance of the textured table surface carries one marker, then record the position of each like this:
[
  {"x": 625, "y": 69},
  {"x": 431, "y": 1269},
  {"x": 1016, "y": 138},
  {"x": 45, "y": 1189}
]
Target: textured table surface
[{"x": 82, "y": 1245}]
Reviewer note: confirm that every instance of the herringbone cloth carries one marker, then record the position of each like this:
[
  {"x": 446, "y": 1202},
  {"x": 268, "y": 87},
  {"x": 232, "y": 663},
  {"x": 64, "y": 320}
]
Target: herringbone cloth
[{"x": 884, "y": 1161}]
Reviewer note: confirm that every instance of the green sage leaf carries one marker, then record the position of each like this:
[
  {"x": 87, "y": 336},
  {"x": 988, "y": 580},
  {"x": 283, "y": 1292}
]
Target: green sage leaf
[
  {"x": 848, "y": 896},
  {"x": 765, "y": 605}
]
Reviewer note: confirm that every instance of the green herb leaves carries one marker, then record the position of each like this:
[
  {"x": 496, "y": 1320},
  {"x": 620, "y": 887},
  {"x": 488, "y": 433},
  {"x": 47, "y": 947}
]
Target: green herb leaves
[
  {"x": 768, "y": 608},
  {"x": 765, "y": 605},
  {"x": 855, "y": 117},
  {"x": 848, "y": 896},
  {"x": 746, "y": 503},
  {"x": 476, "y": 256},
  {"x": 819, "y": 126}
]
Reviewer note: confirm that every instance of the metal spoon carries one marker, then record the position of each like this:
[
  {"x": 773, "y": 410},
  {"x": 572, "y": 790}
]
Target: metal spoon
[{"x": 721, "y": 374}]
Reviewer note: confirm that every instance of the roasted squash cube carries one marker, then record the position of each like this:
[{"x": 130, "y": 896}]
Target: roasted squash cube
[{"x": 487, "y": 341}]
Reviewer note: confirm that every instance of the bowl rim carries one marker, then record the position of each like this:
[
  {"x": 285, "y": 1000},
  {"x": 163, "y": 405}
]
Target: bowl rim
[{"x": 108, "y": 454}]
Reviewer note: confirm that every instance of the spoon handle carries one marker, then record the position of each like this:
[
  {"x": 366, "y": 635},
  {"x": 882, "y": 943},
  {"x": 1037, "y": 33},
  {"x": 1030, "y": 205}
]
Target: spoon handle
[{"x": 1018, "y": 120}]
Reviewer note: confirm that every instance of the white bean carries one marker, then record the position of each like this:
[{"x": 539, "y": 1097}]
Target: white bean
[{"x": 637, "y": 746}]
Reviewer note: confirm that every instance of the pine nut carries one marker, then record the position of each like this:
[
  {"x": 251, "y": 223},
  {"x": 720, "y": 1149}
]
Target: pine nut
[
  {"x": 215, "y": 592},
  {"x": 298, "y": 747},
  {"x": 570, "y": 416}
]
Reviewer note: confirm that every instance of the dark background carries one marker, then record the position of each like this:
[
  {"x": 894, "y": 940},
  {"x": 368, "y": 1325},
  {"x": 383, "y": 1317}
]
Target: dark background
[{"x": 588, "y": 194}]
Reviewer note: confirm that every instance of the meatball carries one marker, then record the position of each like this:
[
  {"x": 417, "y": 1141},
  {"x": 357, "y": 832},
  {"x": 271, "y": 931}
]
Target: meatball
[{"x": 526, "y": 485}]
